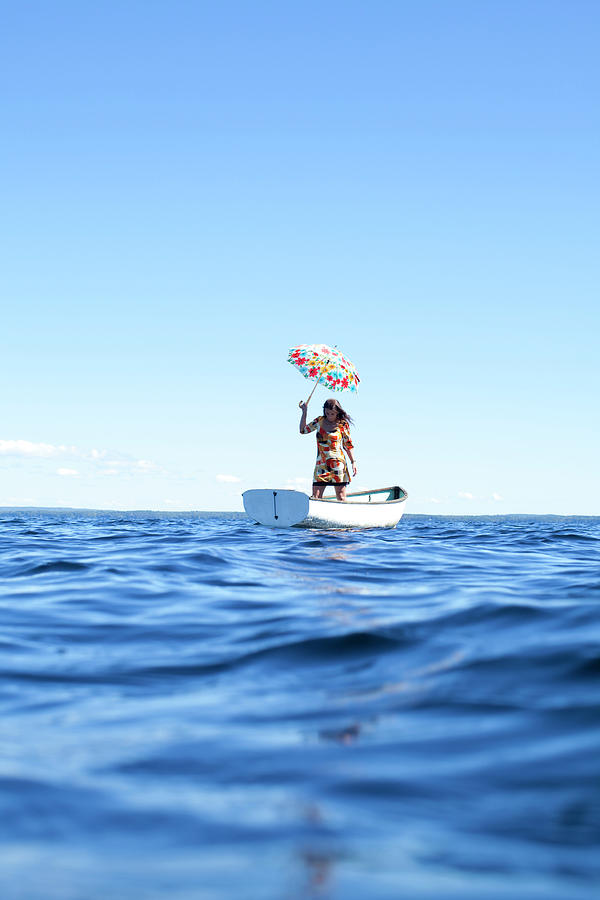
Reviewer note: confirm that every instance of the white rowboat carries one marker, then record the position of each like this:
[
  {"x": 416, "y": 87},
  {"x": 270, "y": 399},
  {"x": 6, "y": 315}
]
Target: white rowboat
[{"x": 380, "y": 508}]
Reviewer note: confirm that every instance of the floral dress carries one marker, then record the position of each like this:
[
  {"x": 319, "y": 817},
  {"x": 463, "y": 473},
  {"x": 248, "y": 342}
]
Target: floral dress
[{"x": 331, "y": 465}]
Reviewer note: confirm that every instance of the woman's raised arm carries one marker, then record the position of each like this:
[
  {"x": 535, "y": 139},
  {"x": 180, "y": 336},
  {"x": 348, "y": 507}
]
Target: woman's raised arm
[{"x": 303, "y": 407}]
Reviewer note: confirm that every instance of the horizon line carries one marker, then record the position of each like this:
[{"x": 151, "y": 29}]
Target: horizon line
[{"x": 243, "y": 513}]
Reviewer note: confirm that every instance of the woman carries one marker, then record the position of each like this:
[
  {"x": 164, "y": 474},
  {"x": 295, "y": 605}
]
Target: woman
[{"x": 333, "y": 437}]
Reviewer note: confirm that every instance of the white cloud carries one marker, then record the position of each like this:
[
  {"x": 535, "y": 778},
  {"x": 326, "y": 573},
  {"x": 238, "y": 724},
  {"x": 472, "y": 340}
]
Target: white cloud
[
  {"x": 91, "y": 462},
  {"x": 434, "y": 500},
  {"x": 229, "y": 479},
  {"x": 128, "y": 466},
  {"x": 145, "y": 465},
  {"x": 466, "y": 495},
  {"x": 28, "y": 448},
  {"x": 496, "y": 496}
]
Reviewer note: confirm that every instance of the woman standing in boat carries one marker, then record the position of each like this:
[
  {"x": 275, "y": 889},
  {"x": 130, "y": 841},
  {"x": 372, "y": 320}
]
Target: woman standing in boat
[{"x": 333, "y": 437}]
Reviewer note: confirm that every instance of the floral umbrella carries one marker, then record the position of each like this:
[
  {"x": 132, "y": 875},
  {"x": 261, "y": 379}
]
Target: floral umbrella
[{"x": 326, "y": 365}]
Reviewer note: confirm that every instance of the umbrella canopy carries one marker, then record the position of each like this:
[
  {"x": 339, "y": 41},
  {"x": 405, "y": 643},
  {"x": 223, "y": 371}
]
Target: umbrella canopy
[{"x": 326, "y": 365}]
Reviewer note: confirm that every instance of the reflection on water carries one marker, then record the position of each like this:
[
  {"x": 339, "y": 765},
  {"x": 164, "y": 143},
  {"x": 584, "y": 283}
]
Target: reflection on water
[
  {"x": 319, "y": 869},
  {"x": 411, "y": 683},
  {"x": 346, "y": 735}
]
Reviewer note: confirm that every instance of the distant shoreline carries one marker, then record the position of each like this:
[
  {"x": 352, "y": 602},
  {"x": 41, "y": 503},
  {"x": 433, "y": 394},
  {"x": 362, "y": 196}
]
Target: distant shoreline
[{"x": 241, "y": 514}]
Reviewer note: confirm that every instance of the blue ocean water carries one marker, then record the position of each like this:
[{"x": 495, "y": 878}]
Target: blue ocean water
[{"x": 194, "y": 706}]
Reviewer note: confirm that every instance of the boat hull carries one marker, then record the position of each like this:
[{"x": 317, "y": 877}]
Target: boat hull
[{"x": 285, "y": 509}]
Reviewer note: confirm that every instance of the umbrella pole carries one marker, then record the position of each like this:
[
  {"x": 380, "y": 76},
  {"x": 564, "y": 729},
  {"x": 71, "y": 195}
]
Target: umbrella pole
[
  {"x": 315, "y": 387},
  {"x": 313, "y": 390},
  {"x": 310, "y": 395}
]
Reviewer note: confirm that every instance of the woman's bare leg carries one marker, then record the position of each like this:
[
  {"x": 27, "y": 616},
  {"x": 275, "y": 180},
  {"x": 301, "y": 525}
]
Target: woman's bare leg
[
  {"x": 340, "y": 490},
  {"x": 318, "y": 491}
]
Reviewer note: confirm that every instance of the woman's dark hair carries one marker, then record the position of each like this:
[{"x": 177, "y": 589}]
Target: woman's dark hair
[{"x": 342, "y": 415}]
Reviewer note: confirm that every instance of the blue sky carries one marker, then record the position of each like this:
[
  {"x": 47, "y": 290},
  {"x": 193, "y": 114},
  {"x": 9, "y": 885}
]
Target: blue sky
[{"x": 189, "y": 189}]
